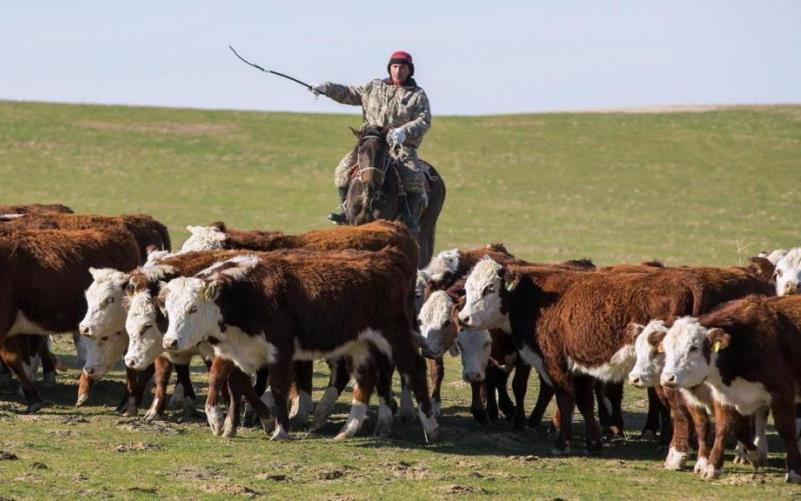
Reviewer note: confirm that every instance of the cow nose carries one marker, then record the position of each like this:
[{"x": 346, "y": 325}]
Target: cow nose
[
  {"x": 464, "y": 321},
  {"x": 472, "y": 377},
  {"x": 83, "y": 330},
  {"x": 635, "y": 381},
  {"x": 669, "y": 380},
  {"x": 90, "y": 371},
  {"x": 791, "y": 287},
  {"x": 170, "y": 343}
]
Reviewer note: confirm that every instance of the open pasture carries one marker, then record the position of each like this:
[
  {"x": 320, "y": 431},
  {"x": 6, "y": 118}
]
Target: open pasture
[{"x": 709, "y": 187}]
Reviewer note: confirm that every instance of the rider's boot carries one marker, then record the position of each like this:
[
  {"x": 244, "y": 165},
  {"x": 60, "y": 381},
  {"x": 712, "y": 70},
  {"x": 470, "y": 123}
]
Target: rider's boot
[
  {"x": 340, "y": 217},
  {"x": 413, "y": 210}
]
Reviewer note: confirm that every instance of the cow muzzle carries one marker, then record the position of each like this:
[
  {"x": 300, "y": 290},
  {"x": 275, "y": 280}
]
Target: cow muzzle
[
  {"x": 85, "y": 330},
  {"x": 791, "y": 287},
  {"x": 170, "y": 343},
  {"x": 669, "y": 380}
]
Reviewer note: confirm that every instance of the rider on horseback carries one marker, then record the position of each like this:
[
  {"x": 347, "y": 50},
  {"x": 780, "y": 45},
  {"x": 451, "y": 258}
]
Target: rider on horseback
[{"x": 398, "y": 104}]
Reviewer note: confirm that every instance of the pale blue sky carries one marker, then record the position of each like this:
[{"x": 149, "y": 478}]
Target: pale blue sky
[{"x": 471, "y": 57}]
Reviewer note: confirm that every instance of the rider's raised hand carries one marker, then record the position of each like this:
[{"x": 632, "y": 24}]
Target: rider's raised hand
[
  {"x": 319, "y": 89},
  {"x": 397, "y": 136}
]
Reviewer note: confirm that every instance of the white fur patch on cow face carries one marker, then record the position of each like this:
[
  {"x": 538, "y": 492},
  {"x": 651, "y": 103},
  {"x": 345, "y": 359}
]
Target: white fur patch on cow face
[
  {"x": 788, "y": 273},
  {"x": 442, "y": 264},
  {"x": 102, "y": 352},
  {"x": 249, "y": 353},
  {"x": 144, "y": 337},
  {"x": 192, "y": 314},
  {"x": 476, "y": 347},
  {"x": 203, "y": 238},
  {"x": 105, "y": 313},
  {"x": 435, "y": 323},
  {"x": 649, "y": 359},
  {"x": 685, "y": 363},
  {"x": 613, "y": 371},
  {"x": 482, "y": 309}
]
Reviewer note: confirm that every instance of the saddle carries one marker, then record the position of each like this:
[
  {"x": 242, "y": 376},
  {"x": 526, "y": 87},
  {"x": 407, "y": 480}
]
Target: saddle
[{"x": 428, "y": 176}]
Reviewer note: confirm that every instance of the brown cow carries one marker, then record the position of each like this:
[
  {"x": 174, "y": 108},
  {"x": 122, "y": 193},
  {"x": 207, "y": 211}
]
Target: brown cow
[
  {"x": 268, "y": 311},
  {"x": 749, "y": 352},
  {"x": 572, "y": 325},
  {"x": 35, "y": 209},
  {"x": 45, "y": 273}
]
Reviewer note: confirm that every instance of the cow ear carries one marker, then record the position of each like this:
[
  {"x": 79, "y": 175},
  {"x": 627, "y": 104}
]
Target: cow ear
[
  {"x": 212, "y": 290},
  {"x": 192, "y": 229},
  {"x": 93, "y": 271},
  {"x": 355, "y": 132},
  {"x": 161, "y": 299},
  {"x": 633, "y": 331},
  {"x": 718, "y": 339}
]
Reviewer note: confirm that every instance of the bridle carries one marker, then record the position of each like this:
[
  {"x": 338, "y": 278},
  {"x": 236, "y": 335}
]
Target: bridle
[{"x": 382, "y": 172}]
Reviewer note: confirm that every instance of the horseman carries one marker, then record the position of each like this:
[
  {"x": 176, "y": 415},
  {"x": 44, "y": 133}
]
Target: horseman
[{"x": 395, "y": 103}]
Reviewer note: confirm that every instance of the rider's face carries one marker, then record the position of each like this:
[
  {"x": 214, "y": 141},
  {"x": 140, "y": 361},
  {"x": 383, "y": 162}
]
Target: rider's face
[{"x": 399, "y": 73}]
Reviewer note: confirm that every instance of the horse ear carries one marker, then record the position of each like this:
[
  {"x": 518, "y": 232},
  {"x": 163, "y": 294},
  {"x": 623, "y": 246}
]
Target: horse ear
[{"x": 355, "y": 132}]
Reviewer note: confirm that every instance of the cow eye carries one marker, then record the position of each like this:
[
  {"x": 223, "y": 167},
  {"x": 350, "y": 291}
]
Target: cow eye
[
  {"x": 104, "y": 338},
  {"x": 447, "y": 323},
  {"x": 193, "y": 309},
  {"x": 693, "y": 348},
  {"x": 488, "y": 290}
]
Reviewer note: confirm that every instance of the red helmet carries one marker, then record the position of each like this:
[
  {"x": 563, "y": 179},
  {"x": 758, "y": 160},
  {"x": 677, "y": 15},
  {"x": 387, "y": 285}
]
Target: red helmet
[{"x": 401, "y": 57}]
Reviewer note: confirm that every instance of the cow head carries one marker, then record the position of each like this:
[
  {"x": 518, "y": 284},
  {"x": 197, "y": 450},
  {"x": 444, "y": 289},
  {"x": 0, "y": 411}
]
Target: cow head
[
  {"x": 204, "y": 238},
  {"x": 485, "y": 288},
  {"x": 690, "y": 352},
  {"x": 190, "y": 306},
  {"x": 102, "y": 352},
  {"x": 476, "y": 348},
  {"x": 443, "y": 265},
  {"x": 788, "y": 273},
  {"x": 144, "y": 335},
  {"x": 104, "y": 314},
  {"x": 436, "y": 324},
  {"x": 649, "y": 351}
]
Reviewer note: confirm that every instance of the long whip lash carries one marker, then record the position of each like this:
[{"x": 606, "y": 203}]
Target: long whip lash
[{"x": 301, "y": 82}]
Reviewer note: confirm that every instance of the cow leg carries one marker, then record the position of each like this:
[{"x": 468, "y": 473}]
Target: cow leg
[
  {"x": 653, "y": 420},
  {"x": 260, "y": 387},
  {"x": 614, "y": 393},
  {"x": 412, "y": 368},
  {"x": 135, "y": 384},
  {"x": 436, "y": 372},
  {"x": 476, "y": 404},
  {"x": 184, "y": 381},
  {"x": 680, "y": 441},
  {"x": 783, "y": 409},
  {"x": 85, "y": 383},
  {"x": 218, "y": 384},
  {"x": 12, "y": 354},
  {"x": 280, "y": 380},
  {"x": 519, "y": 388},
  {"x": 385, "y": 368},
  {"x": 585, "y": 399},
  {"x": 238, "y": 383},
  {"x": 543, "y": 399},
  {"x": 744, "y": 432},
  {"x": 49, "y": 362},
  {"x": 604, "y": 406},
  {"x": 490, "y": 387},
  {"x": 162, "y": 379},
  {"x": 760, "y": 436},
  {"x": 505, "y": 403},
  {"x": 723, "y": 422},
  {"x": 365, "y": 376},
  {"x": 302, "y": 406},
  {"x": 340, "y": 375},
  {"x": 566, "y": 403},
  {"x": 700, "y": 420}
]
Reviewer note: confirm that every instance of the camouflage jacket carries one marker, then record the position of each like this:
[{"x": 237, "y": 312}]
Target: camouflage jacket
[{"x": 385, "y": 105}]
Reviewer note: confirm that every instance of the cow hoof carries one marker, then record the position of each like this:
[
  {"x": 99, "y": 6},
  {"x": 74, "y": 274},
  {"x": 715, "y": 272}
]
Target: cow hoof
[
  {"x": 594, "y": 447},
  {"x": 49, "y": 379},
  {"x": 342, "y": 435},
  {"x": 430, "y": 426},
  {"x": 480, "y": 416},
  {"x": 675, "y": 460},
  {"x": 229, "y": 429},
  {"x": 151, "y": 415},
  {"x": 215, "y": 418},
  {"x": 316, "y": 426},
  {"x": 700, "y": 465},
  {"x": 81, "y": 400},
  {"x": 34, "y": 407},
  {"x": 189, "y": 407},
  {"x": 792, "y": 478},
  {"x": 280, "y": 434},
  {"x": 383, "y": 426},
  {"x": 739, "y": 454},
  {"x": 710, "y": 472}
]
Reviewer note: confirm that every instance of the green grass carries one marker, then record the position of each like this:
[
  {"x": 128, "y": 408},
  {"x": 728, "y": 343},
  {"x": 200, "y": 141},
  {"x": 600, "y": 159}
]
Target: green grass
[{"x": 687, "y": 188}]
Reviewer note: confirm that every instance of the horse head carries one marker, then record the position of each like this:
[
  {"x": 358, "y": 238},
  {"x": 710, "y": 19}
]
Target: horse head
[{"x": 373, "y": 161}]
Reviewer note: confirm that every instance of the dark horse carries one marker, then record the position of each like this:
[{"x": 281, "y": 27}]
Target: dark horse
[{"x": 374, "y": 194}]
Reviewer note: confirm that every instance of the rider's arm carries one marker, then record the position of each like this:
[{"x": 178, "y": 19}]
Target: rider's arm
[
  {"x": 420, "y": 120},
  {"x": 346, "y": 94}
]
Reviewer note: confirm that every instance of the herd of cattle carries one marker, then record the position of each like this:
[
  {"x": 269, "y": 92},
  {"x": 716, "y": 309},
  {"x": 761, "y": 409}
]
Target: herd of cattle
[{"x": 710, "y": 344}]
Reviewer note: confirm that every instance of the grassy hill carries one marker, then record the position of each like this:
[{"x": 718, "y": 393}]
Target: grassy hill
[
  {"x": 687, "y": 187},
  {"x": 707, "y": 187}
]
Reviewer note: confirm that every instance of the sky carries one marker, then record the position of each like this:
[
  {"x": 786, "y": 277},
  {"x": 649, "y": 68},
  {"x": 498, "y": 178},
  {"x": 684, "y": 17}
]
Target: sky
[{"x": 471, "y": 57}]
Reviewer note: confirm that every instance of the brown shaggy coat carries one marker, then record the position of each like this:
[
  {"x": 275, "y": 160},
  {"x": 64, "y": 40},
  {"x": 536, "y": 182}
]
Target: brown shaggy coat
[{"x": 35, "y": 209}]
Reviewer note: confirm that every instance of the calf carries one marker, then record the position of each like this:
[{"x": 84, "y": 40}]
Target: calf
[
  {"x": 46, "y": 272},
  {"x": 303, "y": 305},
  {"x": 749, "y": 352}
]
